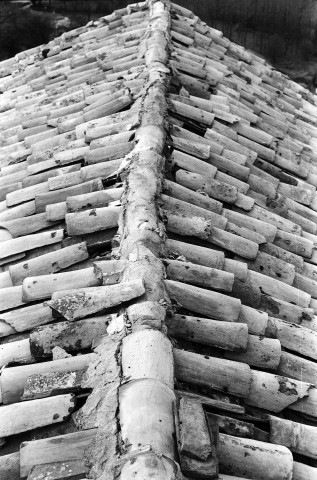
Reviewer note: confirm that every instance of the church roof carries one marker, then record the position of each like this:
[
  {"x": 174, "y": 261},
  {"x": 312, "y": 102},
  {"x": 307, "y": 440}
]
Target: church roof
[{"x": 158, "y": 256}]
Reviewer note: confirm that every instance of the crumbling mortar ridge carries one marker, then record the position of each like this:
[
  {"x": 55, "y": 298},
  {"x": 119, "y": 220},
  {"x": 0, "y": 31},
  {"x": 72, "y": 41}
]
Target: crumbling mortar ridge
[{"x": 160, "y": 230}]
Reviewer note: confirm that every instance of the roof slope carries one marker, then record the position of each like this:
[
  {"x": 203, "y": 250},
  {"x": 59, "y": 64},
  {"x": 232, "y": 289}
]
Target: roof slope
[{"x": 158, "y": 232}]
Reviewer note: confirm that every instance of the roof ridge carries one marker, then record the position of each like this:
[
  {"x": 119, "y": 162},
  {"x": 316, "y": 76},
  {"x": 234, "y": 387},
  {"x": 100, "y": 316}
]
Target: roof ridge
[
  {"x": 142, "y": 242},
  {"x": 141, "y": 239}
]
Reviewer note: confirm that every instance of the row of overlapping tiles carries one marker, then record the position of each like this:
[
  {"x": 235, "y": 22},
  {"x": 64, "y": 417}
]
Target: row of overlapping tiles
[
  {"x": 64, "y": 134},
  {"x": 260, "y": 157},
  {"x": 44, "y": 101}
]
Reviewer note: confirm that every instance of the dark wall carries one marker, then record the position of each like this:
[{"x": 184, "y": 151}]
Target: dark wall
[
  {"x": 275, "y": 28},
  {"x": 87, "y": 6},
  {"x": 21, "y": 29}
]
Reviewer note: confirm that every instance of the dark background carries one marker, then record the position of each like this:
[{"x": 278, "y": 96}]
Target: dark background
[{"x": 284, "y": 31}]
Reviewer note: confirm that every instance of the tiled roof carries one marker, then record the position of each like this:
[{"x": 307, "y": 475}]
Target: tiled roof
[{"x": 158, "y": 255}]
